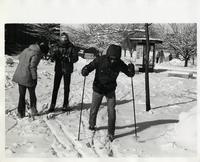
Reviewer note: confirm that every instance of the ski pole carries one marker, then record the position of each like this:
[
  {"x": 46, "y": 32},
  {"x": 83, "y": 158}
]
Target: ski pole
[
  {"x": 135, "y": 123},
  {"x": 134, "y": 107},
  {"x": 80, "y": 119}
]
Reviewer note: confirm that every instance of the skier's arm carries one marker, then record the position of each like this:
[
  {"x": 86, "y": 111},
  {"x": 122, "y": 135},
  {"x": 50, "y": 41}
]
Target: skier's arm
[
  {"x": 33, "y": 66},
  {"x": 129, "y": 69},
  {"x": 90, "y": 67},
  {"x": 74, "y": 56}
]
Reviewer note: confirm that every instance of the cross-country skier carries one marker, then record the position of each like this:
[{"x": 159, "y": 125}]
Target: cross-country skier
[{"x": 107, "y": 70}]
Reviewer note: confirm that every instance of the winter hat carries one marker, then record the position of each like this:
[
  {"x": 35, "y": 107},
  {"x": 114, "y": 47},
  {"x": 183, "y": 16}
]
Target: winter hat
[
  {"x": 44, "y": 47},
  {"x": 114, "y": 50}
]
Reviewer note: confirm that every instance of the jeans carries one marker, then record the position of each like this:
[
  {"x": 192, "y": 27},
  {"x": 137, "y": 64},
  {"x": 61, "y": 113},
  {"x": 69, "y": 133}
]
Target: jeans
[
  {"x": 57, "y": 80},
  {"x": 96, "y": 102},
  {"x": 22, "y": 94}
]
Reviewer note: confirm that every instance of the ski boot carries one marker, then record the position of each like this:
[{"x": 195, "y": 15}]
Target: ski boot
[
  {"x": 21, "y": 114},
  {"x": 92, "y": 128},
  {"x": 34, "y": 111},
  {"x": 66, "y": 109},
  {"x": 51, "y": 109},
  {"x": 110, "y": 137}
]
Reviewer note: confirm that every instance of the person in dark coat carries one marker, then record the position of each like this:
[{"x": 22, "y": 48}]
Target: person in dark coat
[
  {"x": 107, "y": 70},
  {"x": 26, "y": 75},
  {"x": 65, "y": 54},
  {"x": 162, "y": 56},
  {"x": 170, "y": 57},
  {"x": 157, "y": 57}
]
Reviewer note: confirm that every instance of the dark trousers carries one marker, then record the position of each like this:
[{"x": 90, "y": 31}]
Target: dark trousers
[
  {"x": 57, "y": 80},
  {"x": 22, "y": 95},
  {"x": 96, "y": 102}
]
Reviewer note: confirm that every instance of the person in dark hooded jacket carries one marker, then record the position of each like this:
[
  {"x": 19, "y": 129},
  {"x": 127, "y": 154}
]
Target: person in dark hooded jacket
[
  {"x": 107, "y": 70},
  {"x": 26, "y": 75}
]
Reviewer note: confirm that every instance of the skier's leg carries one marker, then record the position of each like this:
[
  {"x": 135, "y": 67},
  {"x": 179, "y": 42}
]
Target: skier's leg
[
  {"x": 111, "y": 102},
  {"x": 67, "y": 80},
  {"x": 21, "y": 103},
  {"x": 33, "y": 100},
  {"x": 96, "y": 102},
  {"x": 57, "y": 80}
]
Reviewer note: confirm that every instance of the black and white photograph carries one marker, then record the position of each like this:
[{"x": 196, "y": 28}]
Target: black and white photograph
[
  {"x": 100, "y": 90},
  {"x": 99, "y": 80}
]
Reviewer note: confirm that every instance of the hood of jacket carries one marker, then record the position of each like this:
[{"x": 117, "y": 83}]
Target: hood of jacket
[
  {"x": 35, "y": 47},
  {"x": 114, "y": 50}
]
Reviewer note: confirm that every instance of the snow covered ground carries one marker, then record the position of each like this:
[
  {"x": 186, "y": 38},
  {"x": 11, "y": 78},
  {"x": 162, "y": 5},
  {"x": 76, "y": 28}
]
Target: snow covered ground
[{"x": 168, "y": 130}]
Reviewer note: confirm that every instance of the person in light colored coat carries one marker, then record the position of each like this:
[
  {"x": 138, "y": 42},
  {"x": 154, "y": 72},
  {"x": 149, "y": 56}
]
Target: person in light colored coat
[{"x": 26, "y": 75}]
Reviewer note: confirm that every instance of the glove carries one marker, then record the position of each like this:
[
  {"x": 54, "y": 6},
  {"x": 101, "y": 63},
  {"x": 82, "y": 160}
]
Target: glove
[
  {"x": 84, "y": 71},
  {"x": 131, "y": 70}
]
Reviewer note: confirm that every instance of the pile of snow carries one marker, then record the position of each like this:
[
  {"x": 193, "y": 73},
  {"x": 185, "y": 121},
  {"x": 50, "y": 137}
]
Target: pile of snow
[
  {"x": 185, "y": 131},
  {"x": 176, "y": 62},
  {"x": 8, "y": 81},
  {"x": 9, "y": 61},
  {"x": 47, "y": 74}
]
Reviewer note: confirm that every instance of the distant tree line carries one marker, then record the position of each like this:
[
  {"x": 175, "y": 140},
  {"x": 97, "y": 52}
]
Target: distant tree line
[{"x": 180, "y": 39}]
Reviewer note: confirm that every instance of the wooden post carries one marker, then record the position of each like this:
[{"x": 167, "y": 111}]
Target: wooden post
[{"x": 148, "y": 107}]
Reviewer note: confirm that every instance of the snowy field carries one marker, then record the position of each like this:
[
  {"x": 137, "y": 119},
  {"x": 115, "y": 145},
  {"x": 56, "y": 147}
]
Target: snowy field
[{"x": 168, "y": 130}]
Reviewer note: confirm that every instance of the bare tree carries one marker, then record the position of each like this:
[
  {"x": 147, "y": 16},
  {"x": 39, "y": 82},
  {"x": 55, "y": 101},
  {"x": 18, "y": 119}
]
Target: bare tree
[
  {"x": 101, "y": 35},
  {"x": 181, "y": 38},
  {"x": 48, "y": 32},
  {"x": 19, "y": 36}
]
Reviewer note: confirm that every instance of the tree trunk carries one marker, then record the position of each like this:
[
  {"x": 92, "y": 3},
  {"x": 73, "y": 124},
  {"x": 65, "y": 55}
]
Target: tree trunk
[
  {"x": 177, "y": 55},
  {"x": 193, "y": 60},
  {"x": 186, "y": 62},
  {"x": 187, "y": 58}
]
